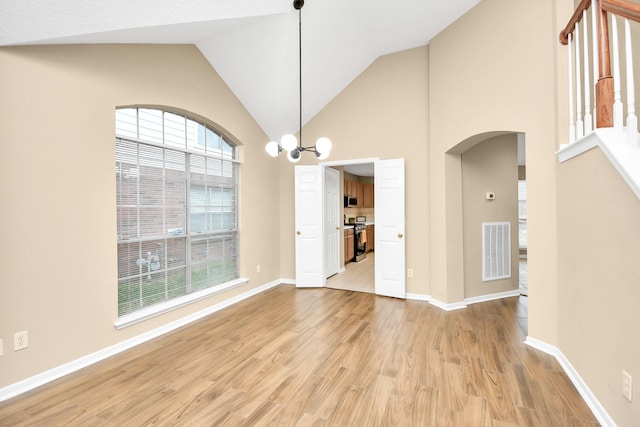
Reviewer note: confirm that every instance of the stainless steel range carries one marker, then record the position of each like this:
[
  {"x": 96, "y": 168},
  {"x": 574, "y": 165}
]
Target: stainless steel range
[{"x": 360, "y": 241}]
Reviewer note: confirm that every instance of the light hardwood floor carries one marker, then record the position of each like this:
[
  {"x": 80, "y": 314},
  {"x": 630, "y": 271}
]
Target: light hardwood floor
[
  {"x": 357, "y": 276},
  {"x": 322, "y": 357}
]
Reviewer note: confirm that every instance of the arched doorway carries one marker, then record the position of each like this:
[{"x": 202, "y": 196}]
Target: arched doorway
[{"x": 482, "y": 204}]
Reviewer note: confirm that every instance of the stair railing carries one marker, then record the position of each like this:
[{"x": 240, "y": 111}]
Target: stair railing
[{"x": 589, "y": 50}]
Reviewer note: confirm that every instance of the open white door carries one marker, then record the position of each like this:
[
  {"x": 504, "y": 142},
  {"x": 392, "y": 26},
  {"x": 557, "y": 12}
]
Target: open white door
[
  {"x": 308, "y": 230},
  {"x": 389, "y": 220},
  {"x": 332, "y": 223}
]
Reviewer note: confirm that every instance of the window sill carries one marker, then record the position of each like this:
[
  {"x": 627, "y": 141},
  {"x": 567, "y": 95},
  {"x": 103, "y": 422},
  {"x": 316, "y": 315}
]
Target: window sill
[{"x": 165, "y": 307}]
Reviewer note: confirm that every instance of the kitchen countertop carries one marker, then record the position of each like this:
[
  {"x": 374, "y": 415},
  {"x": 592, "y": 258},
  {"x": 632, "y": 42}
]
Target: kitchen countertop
[{"x": 348, "y": 226}]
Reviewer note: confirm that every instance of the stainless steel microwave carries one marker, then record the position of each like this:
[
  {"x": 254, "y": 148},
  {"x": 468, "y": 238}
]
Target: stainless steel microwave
[{"x": 350, "y": 202}]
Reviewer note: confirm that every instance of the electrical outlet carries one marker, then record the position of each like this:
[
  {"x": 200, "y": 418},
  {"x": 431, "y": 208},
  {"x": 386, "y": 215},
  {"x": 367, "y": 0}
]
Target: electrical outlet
[
  {"x": 258, "y": 269},
  {"x": 410, "y": 272},
  {"x": 627, "y": 386},
  {"x": 20, "y": 340}
]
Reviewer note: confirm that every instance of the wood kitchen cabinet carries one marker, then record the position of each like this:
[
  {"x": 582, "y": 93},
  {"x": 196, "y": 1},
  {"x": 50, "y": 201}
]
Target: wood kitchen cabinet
[
  {"x": 349, "y": 245},
  {"x": 371, "y": 237},
  {"x": 367, "y": 195},
  {"x": 347, "y": 187},
  {"x": 359, "y": 193},
  {"x": 350, "y": 188}
]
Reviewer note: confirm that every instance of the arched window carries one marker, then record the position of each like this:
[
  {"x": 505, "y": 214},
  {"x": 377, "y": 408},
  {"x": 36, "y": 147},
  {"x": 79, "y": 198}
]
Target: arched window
[{"x": 177, "y": 225}]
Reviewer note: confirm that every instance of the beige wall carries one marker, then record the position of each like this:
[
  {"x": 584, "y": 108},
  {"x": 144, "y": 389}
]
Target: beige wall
[
  {"x": 491, "y": 166},
  {"x": 599, "y": 301},
  {"x": 493, "y": 70},
  {"x": 58, "y": 270},
  {"x": 382, "y": 113}
]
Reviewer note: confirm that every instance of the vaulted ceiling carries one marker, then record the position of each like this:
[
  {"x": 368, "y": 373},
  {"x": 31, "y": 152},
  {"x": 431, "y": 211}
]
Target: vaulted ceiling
[{"x": 252, "y": 44}]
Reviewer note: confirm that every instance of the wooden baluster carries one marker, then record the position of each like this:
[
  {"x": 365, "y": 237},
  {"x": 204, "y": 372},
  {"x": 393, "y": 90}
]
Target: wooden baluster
[
  {"x": 604, "y": 88},
  {"x": 632, "y": 120},
  {"x": 594, "y": 48},
  {"x": 617, "y": 99},
  {"x": 572, "y": 127},
  {"x": 588, "y": 121},
  {"x": 579, "y": 122}
]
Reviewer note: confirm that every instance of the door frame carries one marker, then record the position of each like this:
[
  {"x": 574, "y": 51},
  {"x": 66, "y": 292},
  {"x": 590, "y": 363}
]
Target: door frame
[
  {"x": 344, "y": 163},
  {"x": 328, "y": 229},
  {"x": 322, "y": 166}
]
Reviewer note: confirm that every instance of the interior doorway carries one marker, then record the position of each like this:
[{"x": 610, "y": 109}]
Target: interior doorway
[
  {"x": 389, "y": 238},
  {"x": 489, "y": 172},
  {"x": 358, "y": 213}
]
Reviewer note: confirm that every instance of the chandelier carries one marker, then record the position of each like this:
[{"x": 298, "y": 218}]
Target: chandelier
[{"x": 289, "y": 143}]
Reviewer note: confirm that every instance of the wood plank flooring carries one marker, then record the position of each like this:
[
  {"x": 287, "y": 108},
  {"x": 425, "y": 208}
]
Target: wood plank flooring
[{"x": 321, "y": 357}]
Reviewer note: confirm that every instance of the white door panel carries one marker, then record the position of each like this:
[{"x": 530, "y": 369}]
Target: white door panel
[
  {"x": 332, "y": 223},
  {"x": 308, "y": 226},
  {"x": 390, "y": 232}
]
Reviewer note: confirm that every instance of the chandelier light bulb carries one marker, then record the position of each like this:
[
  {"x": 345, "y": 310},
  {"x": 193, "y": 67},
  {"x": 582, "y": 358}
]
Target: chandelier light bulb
[
  {"x": 323, "y": 145},
  {"x": 322, "y": 156},
  {"x": 288, "y": 142},
  {"x": 294, "y": 155},
  {"x": 272, "y": 148}
]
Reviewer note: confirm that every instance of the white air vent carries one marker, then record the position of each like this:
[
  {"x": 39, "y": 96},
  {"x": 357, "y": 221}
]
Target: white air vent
[{"x": 496, "y": 250}]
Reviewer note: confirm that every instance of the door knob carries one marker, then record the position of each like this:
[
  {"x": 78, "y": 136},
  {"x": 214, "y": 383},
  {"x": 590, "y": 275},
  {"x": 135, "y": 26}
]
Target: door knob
[
  {"x": 399, "y": 235},
  {"x": 337, "y": 228},
  {"x": 298, "y": 232}
]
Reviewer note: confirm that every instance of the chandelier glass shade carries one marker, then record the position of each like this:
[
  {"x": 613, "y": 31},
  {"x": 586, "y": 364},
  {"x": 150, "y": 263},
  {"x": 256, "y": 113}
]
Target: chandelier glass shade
[{"x": 289, "y": 142}]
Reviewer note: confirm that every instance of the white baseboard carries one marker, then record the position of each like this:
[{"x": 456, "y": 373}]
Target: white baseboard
[
  {"x": 590, "y": 399},
  {"x": 473, "y": 300},
  {"x": 45, "y": 377},
  {"x": 491, "y": 297},
  {"x": 448, "y": 307},
  {"x": 418, "y": 297},
  {"x": 542, "y": 346}
]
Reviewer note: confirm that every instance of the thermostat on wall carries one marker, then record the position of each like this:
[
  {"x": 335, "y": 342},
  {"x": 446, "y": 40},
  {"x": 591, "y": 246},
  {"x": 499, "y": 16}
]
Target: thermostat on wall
[{"x": 491, "y": 196}]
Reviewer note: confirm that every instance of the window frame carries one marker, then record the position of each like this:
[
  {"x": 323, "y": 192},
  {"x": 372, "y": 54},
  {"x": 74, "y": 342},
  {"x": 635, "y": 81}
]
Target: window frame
[{"x": 219, "y": 153}]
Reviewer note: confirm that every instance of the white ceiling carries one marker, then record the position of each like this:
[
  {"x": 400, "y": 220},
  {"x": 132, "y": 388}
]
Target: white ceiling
[
  {"x": 360, "y": 169},
  {"x": 252, "y": 44}
]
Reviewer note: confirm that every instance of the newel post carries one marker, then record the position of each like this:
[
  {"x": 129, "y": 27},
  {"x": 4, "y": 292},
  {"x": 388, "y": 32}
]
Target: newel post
[{"x": 604, "y": 87}]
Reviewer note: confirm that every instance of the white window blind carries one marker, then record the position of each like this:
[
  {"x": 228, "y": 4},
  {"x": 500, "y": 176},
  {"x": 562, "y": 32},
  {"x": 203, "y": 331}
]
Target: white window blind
[{"x": 176, "y": 207}]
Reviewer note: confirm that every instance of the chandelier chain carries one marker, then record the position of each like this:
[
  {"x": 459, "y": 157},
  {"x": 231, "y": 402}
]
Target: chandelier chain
[
  {"x": 300, "y": 70},
  {"x": 322, "y": 147}
]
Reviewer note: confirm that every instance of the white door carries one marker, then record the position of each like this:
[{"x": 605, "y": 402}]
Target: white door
[
  {"x": 308, "y": 226},
  {"x": 389, "y": 235},
  {"x": 331, "y": 222}
]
